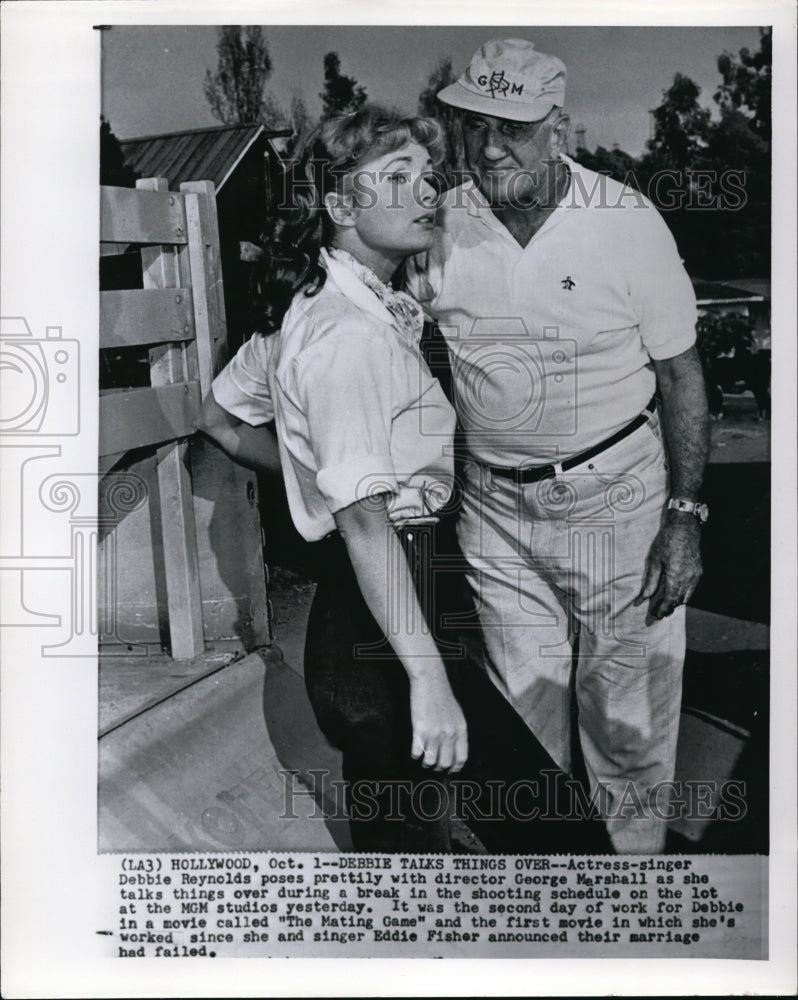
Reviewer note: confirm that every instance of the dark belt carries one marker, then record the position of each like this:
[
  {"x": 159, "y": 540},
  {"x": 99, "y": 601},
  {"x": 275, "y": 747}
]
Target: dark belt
[{"x": 534, "y": 473}]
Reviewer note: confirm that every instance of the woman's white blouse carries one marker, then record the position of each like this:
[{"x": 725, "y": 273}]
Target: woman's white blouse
[{"x": 357, "y": 411}]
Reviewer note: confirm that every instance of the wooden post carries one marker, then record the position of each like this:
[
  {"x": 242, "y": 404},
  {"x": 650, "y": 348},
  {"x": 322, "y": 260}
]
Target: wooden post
[
  {"x": 168, "y": 364},
  {"x": 202, "y": 226}
]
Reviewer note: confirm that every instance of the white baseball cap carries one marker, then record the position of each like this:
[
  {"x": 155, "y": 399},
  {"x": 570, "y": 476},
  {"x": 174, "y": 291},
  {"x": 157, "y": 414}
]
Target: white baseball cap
[{"x": 509, "y": 78}]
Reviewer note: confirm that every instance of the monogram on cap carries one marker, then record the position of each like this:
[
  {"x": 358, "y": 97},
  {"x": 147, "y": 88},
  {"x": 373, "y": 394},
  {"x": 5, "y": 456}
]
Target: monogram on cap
[{"x": 509, "y": 78}]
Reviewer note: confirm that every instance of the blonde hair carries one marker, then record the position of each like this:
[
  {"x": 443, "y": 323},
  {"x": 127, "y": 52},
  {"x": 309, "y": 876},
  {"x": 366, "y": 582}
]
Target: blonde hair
[{"x": 325, "y": 160}]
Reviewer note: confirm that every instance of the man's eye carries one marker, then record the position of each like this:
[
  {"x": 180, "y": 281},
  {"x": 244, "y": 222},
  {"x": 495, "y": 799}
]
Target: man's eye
[
  {"x": 474, "y": 125},
  {"x": 511, "y": 131}
]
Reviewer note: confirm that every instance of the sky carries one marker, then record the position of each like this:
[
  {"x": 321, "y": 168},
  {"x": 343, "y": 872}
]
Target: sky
[{"x": 153, "y": 75}]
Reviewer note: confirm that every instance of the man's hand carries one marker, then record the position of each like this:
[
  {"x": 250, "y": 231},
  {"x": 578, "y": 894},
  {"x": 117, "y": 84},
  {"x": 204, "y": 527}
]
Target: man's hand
[
  {"x": 440, "y": 737},
  {"x": 673, "y": 566}
]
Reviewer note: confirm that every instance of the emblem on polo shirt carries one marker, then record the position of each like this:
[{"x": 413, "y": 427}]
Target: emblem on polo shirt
[{"x": 568, "y": 283}]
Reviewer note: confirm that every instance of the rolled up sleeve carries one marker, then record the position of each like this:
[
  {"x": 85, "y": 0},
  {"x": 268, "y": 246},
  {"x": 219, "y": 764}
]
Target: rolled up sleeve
[
  {"x": 347, "y": 395},
  {"x": 242, "y": 387}
]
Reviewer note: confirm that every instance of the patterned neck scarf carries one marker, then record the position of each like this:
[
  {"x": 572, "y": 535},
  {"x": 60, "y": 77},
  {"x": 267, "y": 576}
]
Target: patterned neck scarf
[{"x": 406, "y": 312}]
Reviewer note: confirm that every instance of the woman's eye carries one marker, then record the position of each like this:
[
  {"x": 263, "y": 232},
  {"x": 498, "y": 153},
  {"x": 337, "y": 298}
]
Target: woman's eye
[{"x": 398, "y": 178}]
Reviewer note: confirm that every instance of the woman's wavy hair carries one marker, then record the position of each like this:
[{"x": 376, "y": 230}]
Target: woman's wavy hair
[{"x": 325, "y": 159}]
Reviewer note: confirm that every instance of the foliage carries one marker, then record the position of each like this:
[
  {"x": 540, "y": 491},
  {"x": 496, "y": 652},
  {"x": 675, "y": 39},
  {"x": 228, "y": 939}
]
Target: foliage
[
  {"x": 747, "y": 83},
  {"x": 681, "y": 126},
  {"x": 720, "y": 334},
  {"x": 721, "y": 217},
  {"x": 113, "y": 169},
  {"x": 236, "y": 91},
  {"x": 341, "y": 94},
  {"x": 614, "y": 163}
]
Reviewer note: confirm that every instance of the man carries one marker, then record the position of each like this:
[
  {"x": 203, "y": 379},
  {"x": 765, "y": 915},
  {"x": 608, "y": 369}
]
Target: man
[{"x": 565, "y": 309}]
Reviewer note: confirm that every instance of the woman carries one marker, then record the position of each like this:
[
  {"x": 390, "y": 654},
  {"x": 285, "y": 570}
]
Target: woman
[{"x": 365, "y": 436}]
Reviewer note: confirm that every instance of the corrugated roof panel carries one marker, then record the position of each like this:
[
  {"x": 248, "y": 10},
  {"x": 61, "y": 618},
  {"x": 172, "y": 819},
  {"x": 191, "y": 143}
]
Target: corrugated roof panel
[{"x": 201, "y": 154}]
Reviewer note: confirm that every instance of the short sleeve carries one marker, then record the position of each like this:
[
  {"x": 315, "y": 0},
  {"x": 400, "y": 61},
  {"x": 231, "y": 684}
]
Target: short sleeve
[
  {"x": 346, "y": 388},
  {"x": 242, "y": 387},
  {"x": 661, "y": 290}
]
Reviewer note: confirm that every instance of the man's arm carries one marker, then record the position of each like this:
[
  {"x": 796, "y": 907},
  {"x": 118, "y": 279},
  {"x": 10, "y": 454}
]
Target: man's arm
[
  {"x": 255, "y": 447},
  {"x": 674, "y": 562}
]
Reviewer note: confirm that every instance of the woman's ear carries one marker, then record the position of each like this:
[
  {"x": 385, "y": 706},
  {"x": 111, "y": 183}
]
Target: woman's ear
[{"x": 341, "y": 208}]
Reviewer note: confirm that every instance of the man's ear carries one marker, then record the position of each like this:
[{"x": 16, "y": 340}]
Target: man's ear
[
  {"x": 560, "y": 131},
  {"x": 341, "y": 208}
]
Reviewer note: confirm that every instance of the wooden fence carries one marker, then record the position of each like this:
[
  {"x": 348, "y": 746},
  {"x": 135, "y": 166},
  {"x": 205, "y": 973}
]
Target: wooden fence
[{"x": 178, "y": 318}]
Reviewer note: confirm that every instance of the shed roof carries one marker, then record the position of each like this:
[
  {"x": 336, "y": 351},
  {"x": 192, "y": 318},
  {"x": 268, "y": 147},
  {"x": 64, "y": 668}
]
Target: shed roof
[
  {"x": 756, "y": 286},
  {"x": 715, "y": 293},
  {"x": 207, "y": 154}
]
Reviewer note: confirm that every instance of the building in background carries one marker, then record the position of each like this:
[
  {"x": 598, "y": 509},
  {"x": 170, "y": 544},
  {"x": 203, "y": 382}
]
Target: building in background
[{"x": 246, "y": 166}]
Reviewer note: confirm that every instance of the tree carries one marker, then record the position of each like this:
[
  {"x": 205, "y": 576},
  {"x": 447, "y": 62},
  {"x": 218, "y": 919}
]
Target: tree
[
  {"x": 236, "y": 91},
  {"x": 614, "y": 163},
  {"x": 735, "y": 240},
  {"x": 113, "y": 169},
  {"x": 447, "y": 117},
  {"x": 680, "y": 127},
  {"x": 341, "y": 93},
  {"x": 747, "y": 83}
]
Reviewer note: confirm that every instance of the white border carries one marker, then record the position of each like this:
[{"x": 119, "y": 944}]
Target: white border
[{"x": 50, "y": 109}]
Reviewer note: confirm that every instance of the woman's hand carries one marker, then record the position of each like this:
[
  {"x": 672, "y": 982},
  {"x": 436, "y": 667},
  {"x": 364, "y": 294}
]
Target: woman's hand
[
  {"x": 440, "y": 737},
  {"x": 414, "y": 502}
]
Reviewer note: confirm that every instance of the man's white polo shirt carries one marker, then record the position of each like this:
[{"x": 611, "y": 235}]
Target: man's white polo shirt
[
  {"x": 552, "y": 343},
  {"x": 357, "y": 411}
]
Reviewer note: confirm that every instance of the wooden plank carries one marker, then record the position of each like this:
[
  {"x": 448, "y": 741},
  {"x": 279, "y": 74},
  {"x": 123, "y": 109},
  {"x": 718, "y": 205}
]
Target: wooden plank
[
  {"x": 168, "y": 365},
  {"x": 129, "y": 215},
  {"x": 130, "y": 685},
  {"x": 206, "y": 279},
  {"x": 113, "y": 249},
  {"x": 200, "y": 771},
  {"x": 161, "y": 270},
  {"x": 180, "y": 552},
  {"x": 232, "y": 575},
  {"x": 135, "y": 418},
  {"x": 161, "y": 267},
  {"x": 148, "y": 316}
]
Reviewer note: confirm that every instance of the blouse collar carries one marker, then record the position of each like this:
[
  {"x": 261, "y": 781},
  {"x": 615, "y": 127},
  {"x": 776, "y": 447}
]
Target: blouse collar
[{"x": 359, "y": 283}]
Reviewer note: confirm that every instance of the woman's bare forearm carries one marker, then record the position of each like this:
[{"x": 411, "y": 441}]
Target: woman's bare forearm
[
  {"x": 254, "y": 447},
  {"x": 383, "y": 574}
]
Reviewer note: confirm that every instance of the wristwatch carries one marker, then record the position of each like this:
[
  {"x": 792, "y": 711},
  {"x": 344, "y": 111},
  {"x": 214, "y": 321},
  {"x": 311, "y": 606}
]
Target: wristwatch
[{"x": 700, "y": 511}]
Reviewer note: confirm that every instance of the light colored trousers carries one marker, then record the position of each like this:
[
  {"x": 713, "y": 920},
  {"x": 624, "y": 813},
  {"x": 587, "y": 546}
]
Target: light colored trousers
[{"x": 556, "y": 566}]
